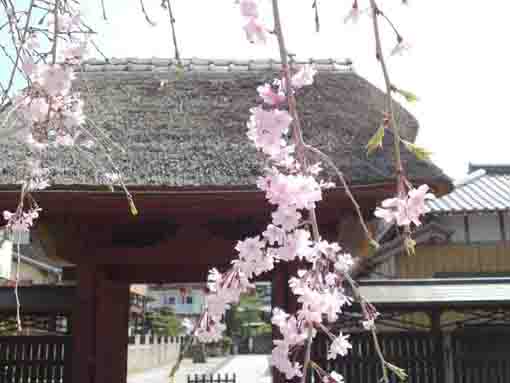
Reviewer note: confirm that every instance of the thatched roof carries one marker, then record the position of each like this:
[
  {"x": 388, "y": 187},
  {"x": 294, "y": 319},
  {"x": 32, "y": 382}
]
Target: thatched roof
[{"x": 189, "y": 128}]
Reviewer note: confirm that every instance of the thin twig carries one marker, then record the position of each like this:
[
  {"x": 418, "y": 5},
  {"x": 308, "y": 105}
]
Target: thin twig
[
  {"x": 99, "y": 50},
  {"x": 104, "y": 10},
  {"x": 147, "y": 18},
  {"x": 359, "y": 297},
  {"x": 315, "y": 5},
  {"x": 174, "y": 35},
  {"x": 18, "y": 51},
  {"x": 16, "y": 289},
  {"x": 346, "y": 187},
  {"x": 387, "y": 82}
]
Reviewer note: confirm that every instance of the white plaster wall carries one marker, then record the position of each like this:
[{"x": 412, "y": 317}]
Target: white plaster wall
[
  {"x": 454, "y": 222},
  {"x": 484, "y": 228}
]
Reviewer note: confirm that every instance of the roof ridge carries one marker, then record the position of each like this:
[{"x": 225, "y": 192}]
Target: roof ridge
[{"x": 134, "y": 64}]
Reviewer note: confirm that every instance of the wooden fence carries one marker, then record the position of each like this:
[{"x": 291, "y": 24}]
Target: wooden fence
[
  {"x": 204, "y": 378},
  {"x": 35, "y": 359},
  {"x": 469, "y": 355}
]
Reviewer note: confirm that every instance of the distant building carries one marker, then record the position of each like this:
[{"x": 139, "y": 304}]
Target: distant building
[
  {"x": 185, "y": 299},
  {"x": 465, "y": 234}
]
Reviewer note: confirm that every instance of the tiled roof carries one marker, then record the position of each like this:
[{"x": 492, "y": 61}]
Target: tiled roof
[{"x": 481, "y": 192}]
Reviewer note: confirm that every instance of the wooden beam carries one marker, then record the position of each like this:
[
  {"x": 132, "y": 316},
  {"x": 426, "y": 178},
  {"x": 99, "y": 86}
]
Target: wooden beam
[
  {"x": 192, "y": 245},
  {"x": 39, "y": 299},
  {"x": 177, "y": 273}
]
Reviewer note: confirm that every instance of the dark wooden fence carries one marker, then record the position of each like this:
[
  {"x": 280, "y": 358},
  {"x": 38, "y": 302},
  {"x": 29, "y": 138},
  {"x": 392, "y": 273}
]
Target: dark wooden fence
[
  {"x": 481, "y": 355},
  {"x": 470, "y": 355},
  {"x": 415, "y": 352},
  {"x": 35, "y": 359},
  {"x": 218, "y": 378}
]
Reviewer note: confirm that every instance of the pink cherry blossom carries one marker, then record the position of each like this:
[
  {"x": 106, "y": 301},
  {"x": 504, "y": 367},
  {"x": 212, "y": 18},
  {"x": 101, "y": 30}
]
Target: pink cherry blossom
[
  {"x": 280, "y": 359},
  {"x": 333, "y": 377},
  {"x": 401, "y": 47},
  {"x": 340, "y": 346},
  {"x": 255, "y": 31},
  {"x": 55, "y": 79},
  {"x": 266, "y": 128},
  {"x": 304, "y": 76},
  {"x": 271, "y": 94},
  {"x": 249, "y": 8},
  {"x": 416, "y": 203},
  {"x": 252, "y": 260},
  {"x": 286, "y": 217},
  {"x": 404, "y": 210},
  {"x": 274, "y": 235},
  {"x": 344, "y": 263}
]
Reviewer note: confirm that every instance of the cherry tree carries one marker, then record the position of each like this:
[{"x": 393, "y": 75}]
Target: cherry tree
[{"x": 49, "y": 39}]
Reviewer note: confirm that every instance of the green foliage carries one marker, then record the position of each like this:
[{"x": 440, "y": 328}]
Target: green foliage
[
  {"x": 399, "y": 372},
  {"x": 409, "y": 96},
  {"x": 247, "y": 311},
  {"x": 376, "y": 141},
  {"x": 420, "y": 152},
  {"x": 164, "y": 322}
]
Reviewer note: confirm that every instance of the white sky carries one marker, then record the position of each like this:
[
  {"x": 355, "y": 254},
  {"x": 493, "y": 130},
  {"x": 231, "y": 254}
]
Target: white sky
[{"x": 458, "y": 66}]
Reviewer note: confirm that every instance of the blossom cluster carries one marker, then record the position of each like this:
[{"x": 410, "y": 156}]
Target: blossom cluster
[
  {"x": 293, "y": 188},
  {"x": 406, "y": 209},
  {"x": 255, "y": 30},
  {"x": 51, "y": 111}
]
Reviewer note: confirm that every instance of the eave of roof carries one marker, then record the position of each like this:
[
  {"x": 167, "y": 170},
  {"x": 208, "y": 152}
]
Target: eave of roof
[
  {"x": 437, "y": 292},
  {"x": 484, "y": 193}
]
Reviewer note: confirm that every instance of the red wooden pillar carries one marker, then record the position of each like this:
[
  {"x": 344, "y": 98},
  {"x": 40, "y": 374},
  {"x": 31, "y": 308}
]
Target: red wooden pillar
[
  {"x": 83, "y": 330},
  {"x": 112, "y": 315}
]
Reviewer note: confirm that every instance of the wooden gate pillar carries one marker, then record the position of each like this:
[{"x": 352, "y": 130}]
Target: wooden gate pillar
[
  {"x": 112, "y": 316},
  {"x": 83, "y": 325}
]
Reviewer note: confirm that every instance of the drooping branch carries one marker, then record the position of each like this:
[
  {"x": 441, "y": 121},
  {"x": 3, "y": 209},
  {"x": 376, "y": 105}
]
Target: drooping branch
[
  {"x": 146, "y": 15},
  {"x": 389, "y": 100},
  {"x": 300, "y": 147},
  {"x": 18, "y": 51}
]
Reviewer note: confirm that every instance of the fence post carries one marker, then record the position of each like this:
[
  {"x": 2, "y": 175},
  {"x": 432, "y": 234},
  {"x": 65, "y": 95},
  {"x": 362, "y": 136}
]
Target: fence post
[{"x": 437, "y": 335}]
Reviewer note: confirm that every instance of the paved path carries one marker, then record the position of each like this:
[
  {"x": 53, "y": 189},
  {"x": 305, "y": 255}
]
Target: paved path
[
  {"x": 249, "y": 368},
  {"x": 160, "y": 375}
]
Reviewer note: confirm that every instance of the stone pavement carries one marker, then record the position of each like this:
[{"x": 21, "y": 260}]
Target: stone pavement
[
  {"x": 248, "y": 368},
  {"x": 160, "y": 375}
]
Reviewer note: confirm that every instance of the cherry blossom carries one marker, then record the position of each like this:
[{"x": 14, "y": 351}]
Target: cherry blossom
[
  {"x": 333, "y": 377},
  {"x": 405, "y": 210},
  {"x": 353, "y": 15},
  {"x": 401, "y": 47},
  {"x": 266, "y": 128},
  {"x": 255, "y": 31},
  {"x": 304, "y": 76},
  {"x": 339, "y": 346},
  {"x": 274, "y": 235},
  {"x": 249, "y": 8},
  {"x": 271, "y": 94}
]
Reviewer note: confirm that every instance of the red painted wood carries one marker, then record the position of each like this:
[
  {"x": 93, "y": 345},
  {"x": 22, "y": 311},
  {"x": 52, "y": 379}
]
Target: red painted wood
[
  {"x": 112, "y": 315},
  {"x": 83, "y": 323}
]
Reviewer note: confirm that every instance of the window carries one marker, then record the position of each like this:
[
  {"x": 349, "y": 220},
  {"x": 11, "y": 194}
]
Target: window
[
  {"x": 170, "y": 300},
  {"x": 189, "y": 300}
]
